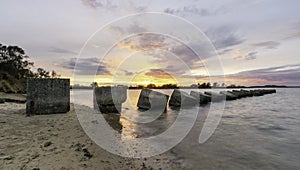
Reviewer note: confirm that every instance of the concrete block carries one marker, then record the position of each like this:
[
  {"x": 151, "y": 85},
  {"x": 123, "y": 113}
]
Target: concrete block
[
  {"x": 182, "y": 99},
  {"x": 109, "y": 99},
  {"x": 47, "y": 96},
  {"x": 153, "y": 100}
]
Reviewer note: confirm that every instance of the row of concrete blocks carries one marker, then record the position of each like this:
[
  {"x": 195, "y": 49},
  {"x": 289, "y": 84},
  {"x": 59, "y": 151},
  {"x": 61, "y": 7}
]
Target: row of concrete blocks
[
  {"x": 150, "y": 99},
  {"x": 110, "y": 99},
  {"x": 48, "y": 96}
]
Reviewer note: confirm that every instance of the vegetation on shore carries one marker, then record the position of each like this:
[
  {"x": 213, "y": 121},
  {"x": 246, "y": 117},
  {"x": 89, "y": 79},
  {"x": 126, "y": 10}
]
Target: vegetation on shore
[
  {"x": 205, "y": 85},
  {"x": 15, "y": 67}
]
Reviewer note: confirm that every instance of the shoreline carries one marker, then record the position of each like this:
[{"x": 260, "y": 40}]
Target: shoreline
[{"x": 57, "y": 141}]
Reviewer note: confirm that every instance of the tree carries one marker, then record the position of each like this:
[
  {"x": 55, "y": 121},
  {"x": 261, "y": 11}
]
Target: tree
[
  {"x": 15, "y": 68},
  {"x": 151, "y": 86},
  {"x": 194, "y": 85},
  {"x": 215, "y": 84},
  {"x": 94, "y": 84},
  {"x": 54, "y": 74},
  {"x": 41, "y": 73},
  {"x": 14, "y": 61}
]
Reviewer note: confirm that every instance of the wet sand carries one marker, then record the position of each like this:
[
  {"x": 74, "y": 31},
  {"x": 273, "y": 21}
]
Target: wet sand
[{"x": 57, "y": 141}]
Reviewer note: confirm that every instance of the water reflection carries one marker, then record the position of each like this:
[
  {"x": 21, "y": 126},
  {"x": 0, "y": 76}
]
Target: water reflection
[{"x": 132, "y": 129}]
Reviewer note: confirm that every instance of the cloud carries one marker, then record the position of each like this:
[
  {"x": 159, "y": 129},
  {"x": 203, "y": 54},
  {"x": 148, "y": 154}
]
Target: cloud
[
  {"x": 86, "y": 66},
  {"x": 287, "y": 74},
  {"x": 225, "y": 51},
  {"x": 91, "y": 3},
  {"x": 61, "y": 50},
  {"x": 98, "y": 3},
  {"x": 267, "y": 44},
  {"x": 158, "y": 73},
  {"x": 144, "y": 42},
  {"x": 224, "y": 36},
  {"x": 294, "y": 32},
  {"x": 128, "y": 73},
  {"x": 131, "y": 29},
  {"x": 249, "y": 56},
  {"x": 187, "y": 10},
  {"x": 115, "y": 6}
]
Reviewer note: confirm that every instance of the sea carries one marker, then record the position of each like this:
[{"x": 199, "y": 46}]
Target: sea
[{"x": 260, "y": 132}]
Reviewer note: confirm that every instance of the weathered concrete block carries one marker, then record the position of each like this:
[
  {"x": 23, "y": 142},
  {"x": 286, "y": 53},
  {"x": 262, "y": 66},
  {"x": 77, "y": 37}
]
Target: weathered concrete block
[
  {"x": 238, "y": 93},
  {"x": 268, "y": 91},
  {"x": 229, "y": 95},
  {"x": 215, "y": 97},
  {"x": 247, "y": 93},
  {"x": 47, "y": 96},
  {"x": 255, "y": 93},
  {"x": 150, "y": 99},
  {"x": 109, "y": 99},
  {"x": 182, "y": 99},
  {"x": 202, "y": 98}
]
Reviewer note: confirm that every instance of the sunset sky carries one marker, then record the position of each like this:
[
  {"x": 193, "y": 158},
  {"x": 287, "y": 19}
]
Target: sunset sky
[{"x": 257, "y": 41}]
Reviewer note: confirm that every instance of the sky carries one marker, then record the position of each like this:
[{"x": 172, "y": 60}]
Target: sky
[{"x": 168, "y": 41}]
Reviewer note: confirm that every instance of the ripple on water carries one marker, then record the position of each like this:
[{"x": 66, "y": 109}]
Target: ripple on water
[{"x": 270, "y": 127}]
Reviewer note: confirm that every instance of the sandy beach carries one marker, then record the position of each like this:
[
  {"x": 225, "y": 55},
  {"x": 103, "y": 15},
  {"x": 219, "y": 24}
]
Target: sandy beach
[{"x": 57, "y": 141}]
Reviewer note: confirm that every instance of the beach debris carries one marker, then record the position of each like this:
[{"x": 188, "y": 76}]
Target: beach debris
[
  {"x": 86, "y": 153},
  {"x": 109, "y": 99},
  {"x": 77, "y": 146},
  {"x": 48, "y": 143},
  {"x": 150, "y": 99},
  {"x": 202, "y": 98},
  {"x": 47, "y": 96},
  {"x": 143, "y": 166},
  {"x": 180, "y": 98}
]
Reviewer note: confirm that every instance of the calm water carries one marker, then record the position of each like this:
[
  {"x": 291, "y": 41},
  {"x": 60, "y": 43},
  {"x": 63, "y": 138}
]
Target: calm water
[{"x": 254, "y": 133}]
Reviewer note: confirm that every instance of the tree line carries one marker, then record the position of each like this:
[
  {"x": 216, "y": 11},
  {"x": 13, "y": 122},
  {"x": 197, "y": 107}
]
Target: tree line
[
  {"x": 15, "y": 67},
  {"x": 205, "y": 85}
]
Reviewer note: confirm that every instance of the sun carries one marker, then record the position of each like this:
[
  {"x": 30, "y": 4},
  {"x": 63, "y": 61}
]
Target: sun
[
  {"x": 157, "y": 78},
  {"x": 146, "y": 82}
]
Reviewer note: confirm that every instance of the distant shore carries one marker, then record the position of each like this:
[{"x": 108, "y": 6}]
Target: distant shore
[{"x": 187, "y": 87}]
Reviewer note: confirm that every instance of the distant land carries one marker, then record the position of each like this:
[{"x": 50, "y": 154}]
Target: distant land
[{"x": 190, "y": 87}]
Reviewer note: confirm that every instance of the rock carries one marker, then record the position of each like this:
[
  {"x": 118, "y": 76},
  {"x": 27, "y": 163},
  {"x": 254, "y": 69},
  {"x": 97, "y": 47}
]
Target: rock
[
  {"x": 202, "y": 98},
  {"x": 2, "y": 101},
  {"x": 86, "y": 153},
  {"x": 182, "y": 99},
  {"x": 229, "y": 95},
  {"x": 109, "y": 99},
  {"x": 8, "y": 157},
  {"x": 215, "y": 97},
  {"x": 150, "y": 99},
  {"x": 36, "y": 169},
  {"x": 48, "y": 143}
]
